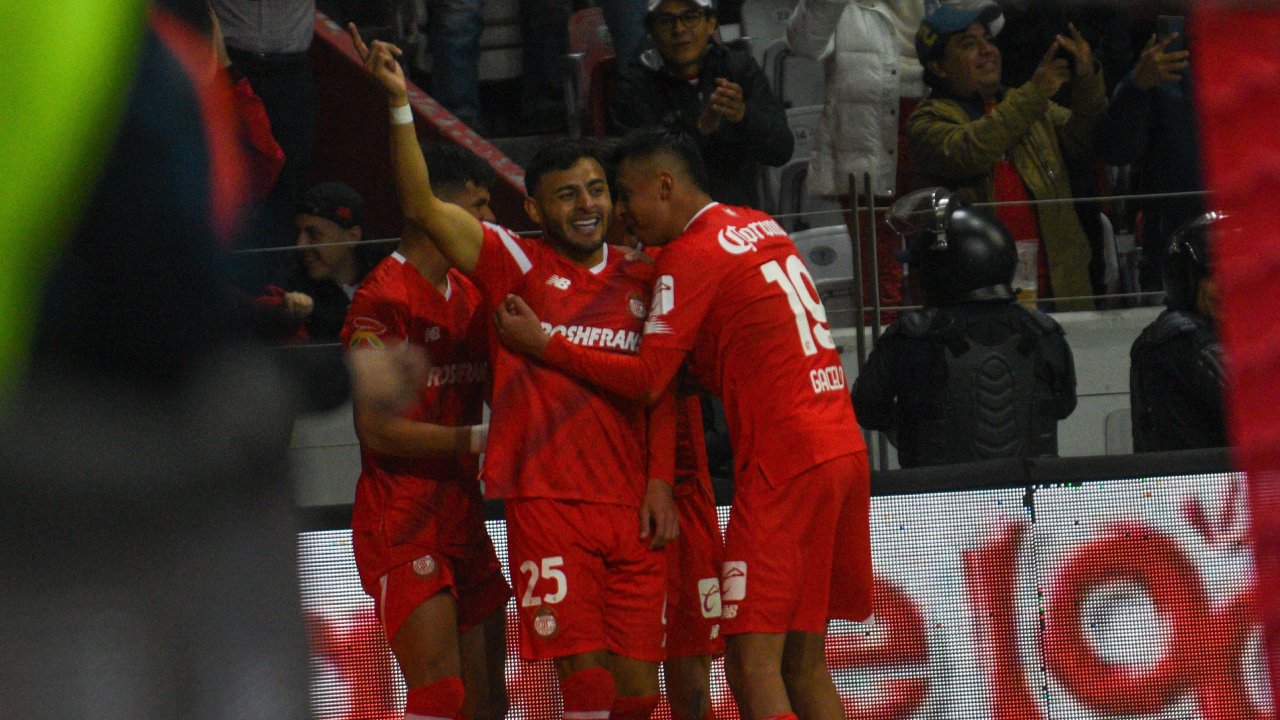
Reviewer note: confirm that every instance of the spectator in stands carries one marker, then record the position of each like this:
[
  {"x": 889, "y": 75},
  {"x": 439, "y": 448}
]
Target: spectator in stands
[
  {"x": 461, "y": 177},
  {"x": 268, "y": 43},
  {"x": 1151, "y": 125},
  {"x": 453, "y": 37},
  {"x": 1029, "y": 27},
  {"x": 692, "y": 83},
  {"x": 1175, "y": 371},
  {"x": 973, "y": 375},
  {"x": 989, "y": 142},
  {"x": 625, "y": 19},
  {"x": 308, "y": 300},
  {"x": 873, "y": 83},
  {"x": 544, "y": 28}
]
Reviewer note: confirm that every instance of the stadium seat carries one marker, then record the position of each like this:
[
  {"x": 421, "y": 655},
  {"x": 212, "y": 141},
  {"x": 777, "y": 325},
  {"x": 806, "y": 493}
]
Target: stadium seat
[
  {"x": 796, "y": 80},
  {"x": 589, "y": 71},
  {"x": 827, "y": 252},
  {"x": 764, "y": 21},
  {"x": 1118, "y": 429},
  {"x": 804, "y": 127}
]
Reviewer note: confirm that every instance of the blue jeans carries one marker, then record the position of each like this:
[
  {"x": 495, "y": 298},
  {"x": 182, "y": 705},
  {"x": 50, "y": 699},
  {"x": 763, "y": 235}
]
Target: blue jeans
[
  {"x": 453, "y": 35},
  {"x": 625, "y": 19}
]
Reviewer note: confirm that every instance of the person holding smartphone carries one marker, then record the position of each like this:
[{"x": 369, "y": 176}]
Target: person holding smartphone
[{"x": 1150, "y": 124}]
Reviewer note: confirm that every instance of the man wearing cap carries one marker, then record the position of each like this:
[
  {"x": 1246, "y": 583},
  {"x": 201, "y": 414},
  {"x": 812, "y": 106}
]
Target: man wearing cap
[
  {"x": 308, "y": 300},
  {"x": 718, "y": 95},
  {"x": 992, "y": 143}
]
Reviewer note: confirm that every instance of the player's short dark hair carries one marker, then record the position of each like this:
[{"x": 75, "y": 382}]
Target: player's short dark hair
[
  {"x": 647, "y": 143},
  {"x": 562, "y": 154},
  {"x": 453, "y": 165}
]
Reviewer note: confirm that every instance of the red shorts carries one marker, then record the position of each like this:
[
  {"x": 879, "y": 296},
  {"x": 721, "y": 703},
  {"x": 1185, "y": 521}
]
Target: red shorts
[
  {"x": 693, "y": 578},
  {"x": 474, "y": 576},
  {"x": 798, "y": 552},
  {"x": 585, "y": 580}
]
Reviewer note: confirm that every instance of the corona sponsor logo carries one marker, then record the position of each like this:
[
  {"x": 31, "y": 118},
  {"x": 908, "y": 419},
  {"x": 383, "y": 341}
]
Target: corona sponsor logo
[{"x": 738, "y": 240}]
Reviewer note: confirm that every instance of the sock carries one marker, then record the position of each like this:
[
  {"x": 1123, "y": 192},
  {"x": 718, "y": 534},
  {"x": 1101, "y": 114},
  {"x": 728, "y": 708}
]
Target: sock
[
  {"x": 441, "y": 699},
  {"x": 633, "y": 708},
  {"x": 782, "y": 716},
  {"x": 588, "y": 694}
]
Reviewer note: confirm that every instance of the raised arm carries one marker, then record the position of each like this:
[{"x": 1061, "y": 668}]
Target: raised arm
[
  {"x": 954, "y": 147},
  {"x": 452, "y": 229}
]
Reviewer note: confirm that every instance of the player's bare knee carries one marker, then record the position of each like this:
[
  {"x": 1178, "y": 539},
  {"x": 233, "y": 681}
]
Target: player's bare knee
[{"x": 634, "y": 677}]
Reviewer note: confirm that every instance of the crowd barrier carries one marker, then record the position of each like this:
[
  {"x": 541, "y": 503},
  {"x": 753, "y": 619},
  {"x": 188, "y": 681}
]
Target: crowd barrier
[{"x": 1082, "y": 588}]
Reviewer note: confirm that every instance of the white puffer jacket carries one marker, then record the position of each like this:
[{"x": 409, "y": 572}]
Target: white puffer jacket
[{"x": 868, "y": 54}]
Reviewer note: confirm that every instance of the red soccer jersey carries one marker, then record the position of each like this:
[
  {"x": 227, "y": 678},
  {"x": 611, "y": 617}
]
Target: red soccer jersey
[
  {"x": 415, "y": 504},
  {"x": 552, "y": 436},
  {"x": 732, "y": 291}
]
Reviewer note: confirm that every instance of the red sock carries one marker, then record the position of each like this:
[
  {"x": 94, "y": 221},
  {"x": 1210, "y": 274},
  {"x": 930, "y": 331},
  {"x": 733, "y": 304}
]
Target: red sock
[
  {"x": 633, "y": 707},
  {"x": 588, "y": 694},
  {"x": 441, "y": 699}
]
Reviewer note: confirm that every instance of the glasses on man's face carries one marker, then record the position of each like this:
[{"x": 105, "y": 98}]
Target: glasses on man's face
[{"x": 666, "y": 22}]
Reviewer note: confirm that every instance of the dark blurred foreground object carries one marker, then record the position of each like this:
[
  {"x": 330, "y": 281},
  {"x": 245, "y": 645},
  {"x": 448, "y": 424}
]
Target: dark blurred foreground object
[
  {"x": 146, "y": 533},
  {"x": 1175, "y": 372}
]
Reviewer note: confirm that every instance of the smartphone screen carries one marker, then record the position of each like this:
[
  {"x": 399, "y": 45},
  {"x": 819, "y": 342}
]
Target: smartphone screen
[{"x": 1167, "y": 25}]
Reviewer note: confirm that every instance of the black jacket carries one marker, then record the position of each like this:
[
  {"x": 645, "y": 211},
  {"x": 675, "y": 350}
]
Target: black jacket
[
  {"x": 1175, "y": 385},
  {"x": 647, "y": 94},
  {"x": 968, "y": 382}
]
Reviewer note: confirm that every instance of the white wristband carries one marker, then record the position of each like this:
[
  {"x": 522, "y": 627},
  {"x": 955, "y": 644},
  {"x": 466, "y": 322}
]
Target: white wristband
[
  {"x": 479, "y": 436},
  {"x": 401, "y": 115}
]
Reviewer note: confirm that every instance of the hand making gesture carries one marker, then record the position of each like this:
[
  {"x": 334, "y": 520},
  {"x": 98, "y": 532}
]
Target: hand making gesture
[
  {"x": 1156, "y": 66},
  {"x": 726, "y": 103},
  {"x": 380, "y": 62}
]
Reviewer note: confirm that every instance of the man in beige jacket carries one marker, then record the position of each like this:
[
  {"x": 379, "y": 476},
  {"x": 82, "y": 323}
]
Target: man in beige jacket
[{"x": 993, "y": 143}]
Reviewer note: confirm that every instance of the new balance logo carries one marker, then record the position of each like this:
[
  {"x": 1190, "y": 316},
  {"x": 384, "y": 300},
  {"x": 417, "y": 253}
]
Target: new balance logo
[{"x": 559, "y": 283}]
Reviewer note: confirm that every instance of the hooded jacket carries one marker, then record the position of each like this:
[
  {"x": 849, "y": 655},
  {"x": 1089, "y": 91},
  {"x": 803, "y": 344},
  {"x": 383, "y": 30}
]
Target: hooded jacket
[{"x": 647, "y": 94}]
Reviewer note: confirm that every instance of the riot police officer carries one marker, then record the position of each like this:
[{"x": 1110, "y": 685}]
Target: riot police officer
[
  {"x": 973, "y": 375},
  {"x": 1175, "y": 371}
]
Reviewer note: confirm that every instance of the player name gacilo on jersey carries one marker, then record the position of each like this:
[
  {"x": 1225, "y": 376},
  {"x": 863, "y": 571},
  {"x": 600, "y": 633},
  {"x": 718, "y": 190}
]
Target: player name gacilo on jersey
[
  {"x": 463, "y": 372},
  {"x": 588, "y": 336}
]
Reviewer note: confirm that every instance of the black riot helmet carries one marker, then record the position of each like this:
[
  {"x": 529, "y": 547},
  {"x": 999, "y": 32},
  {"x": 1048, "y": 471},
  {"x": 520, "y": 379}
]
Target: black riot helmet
[
  {"x": 1186, "y": 262},
  {"x": 961, "y": 253}
]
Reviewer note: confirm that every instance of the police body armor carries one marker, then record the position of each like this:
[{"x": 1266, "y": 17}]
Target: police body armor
[
  {"x": 1175, "y": 385},
  {"x": 991, "y": 399}
]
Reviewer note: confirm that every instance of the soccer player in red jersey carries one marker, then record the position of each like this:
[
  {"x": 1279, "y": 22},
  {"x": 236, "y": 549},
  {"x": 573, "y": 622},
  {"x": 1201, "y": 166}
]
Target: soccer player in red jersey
[
  {"x": 693, "y": 573},
  {"x": 569, "y": 460},
  {"x": 418, "y": 521},
  {"x": 733, "y": 295}
]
